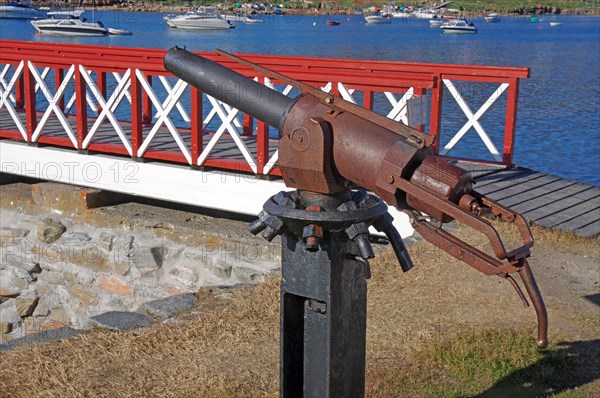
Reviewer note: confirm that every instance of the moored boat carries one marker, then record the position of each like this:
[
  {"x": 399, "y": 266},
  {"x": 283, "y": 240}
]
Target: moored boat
[
  {"x": 119, "y": 32},
  {"x": 240, "y": 18},
  {"x": 331, "y": 22},
  {"x": 459, "y": 26},
  {"x": 68, "y": 23},
  {"x": 437, "y": 22},
  {"x": 402, "y": 14},
  {"x": 492, "y": 18},
  {"x": 426, "y": 13},
  {"x": 556, "y": 23},
  {"x": 378, "y": 19},
  {"x": 18, "y": 10},
  {"x": 203, "y": 18}
]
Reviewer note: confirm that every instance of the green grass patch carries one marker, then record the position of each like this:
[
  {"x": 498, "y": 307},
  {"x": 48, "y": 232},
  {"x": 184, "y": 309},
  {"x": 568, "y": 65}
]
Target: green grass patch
[{"x": 501, "y": 363}]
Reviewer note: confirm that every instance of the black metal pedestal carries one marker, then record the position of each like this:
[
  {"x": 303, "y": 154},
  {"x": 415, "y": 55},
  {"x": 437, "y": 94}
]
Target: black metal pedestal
[
  {"x": 323, "y": 319},
  {"x": 325, "y": 248}
]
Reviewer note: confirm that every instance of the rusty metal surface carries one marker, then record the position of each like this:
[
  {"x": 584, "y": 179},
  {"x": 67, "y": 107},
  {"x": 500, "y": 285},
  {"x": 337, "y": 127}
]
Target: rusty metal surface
[
  {"x": 329, "y": 147},
  {"x": 444, "y": 180},
  {"x": 538, "y": 303}
]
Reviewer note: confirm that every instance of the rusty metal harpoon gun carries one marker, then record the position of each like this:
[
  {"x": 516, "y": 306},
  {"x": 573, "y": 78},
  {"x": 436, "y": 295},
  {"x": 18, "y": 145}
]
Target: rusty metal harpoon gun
[{"x": 329, "y": 145}]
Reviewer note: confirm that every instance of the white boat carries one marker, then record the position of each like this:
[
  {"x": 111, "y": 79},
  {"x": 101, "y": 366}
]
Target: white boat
[
  {"x": 249, "y": 19},
  {"x": 377, "y": 19},
  {"x": 18, "y": 10},
  {"x": 459, "y": 26},
  {"x": 68, "y": 23},
  {"x": 204, "y": 18},
  {"x": 401, "y": 14},
  {"x": 425, "y": 14},
  {"x": 240, "y": 18},
  {"x": 556, "y": 23},
  {"x": 437, "y": 22},
  {"x": 492, "y": 18},
  {"x": 119, "y": 32}
]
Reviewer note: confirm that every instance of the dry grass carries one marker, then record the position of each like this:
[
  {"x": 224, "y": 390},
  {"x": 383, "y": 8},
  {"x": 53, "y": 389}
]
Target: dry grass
[{"x": 441, "y": 330}]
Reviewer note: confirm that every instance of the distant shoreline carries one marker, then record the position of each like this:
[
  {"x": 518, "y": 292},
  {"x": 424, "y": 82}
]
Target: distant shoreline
[{"x": 158, "y": 7}]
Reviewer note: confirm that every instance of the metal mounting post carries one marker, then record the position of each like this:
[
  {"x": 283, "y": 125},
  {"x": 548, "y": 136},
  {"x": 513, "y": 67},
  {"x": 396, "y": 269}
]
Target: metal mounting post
[{"x": 325, "y": 248}]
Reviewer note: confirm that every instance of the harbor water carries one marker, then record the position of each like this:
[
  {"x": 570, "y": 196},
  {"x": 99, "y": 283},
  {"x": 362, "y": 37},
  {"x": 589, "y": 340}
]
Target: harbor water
[{"x": 558, "y": 126}]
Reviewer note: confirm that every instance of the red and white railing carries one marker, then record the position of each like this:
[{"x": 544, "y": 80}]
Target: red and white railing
[{"x": 87, "y": 88}]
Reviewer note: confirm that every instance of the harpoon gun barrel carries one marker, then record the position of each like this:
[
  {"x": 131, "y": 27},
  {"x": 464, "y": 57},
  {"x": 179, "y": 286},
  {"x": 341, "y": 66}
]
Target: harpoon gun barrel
[{"x": 228, "y": 86}]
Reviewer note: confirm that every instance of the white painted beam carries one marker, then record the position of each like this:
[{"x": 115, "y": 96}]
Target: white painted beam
[{"x": 228, "y": 191}]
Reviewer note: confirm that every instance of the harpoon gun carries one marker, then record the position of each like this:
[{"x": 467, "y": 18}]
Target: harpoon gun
[{"x": 329, "y": 145}]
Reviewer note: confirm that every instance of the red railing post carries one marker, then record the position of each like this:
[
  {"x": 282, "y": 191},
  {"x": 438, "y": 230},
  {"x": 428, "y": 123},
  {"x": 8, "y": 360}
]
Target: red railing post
[
  {"x": 335, "y": 90},
  {"x": 147, "y": 107},
  {"x": 101, "y": 87},
  {"x": 248, "y": 127},
  {"x": 368, "y": 100},
  {"x": 511, "y": 121},
  {"x": 30, "y": 101},
  {"x": 136, "y": 113},
  {"x": 81, "y": 106},
  {"x": 435, "y": 120},
  {"x": 262, "y": 146},
  {"x": 196, "y": 125},
  {"x": 19, "y": 88},
  {"x": 59, "y": 75}
]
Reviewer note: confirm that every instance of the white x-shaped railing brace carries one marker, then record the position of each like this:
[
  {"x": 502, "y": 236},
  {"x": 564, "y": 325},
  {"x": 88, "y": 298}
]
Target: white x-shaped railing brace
[
  {"x": 53, "y": 104},
  {"x": 163, "y": 109},
  {"x": 5, "y": 98},
  {"x": 473, "y": 119},
  {"x": 108, "y": 107},
  {"x": 4, "y": 83},
  {"x": 399, "y": 110},
  {"x": 88, "y": 99},
  {"x": 228, "y": 116},
  {"x": 118, "y": 77},
  {"x": 346, "y": 93},
  {"x": 43, "y": 75},
  {"x": 180, "y": 108}
]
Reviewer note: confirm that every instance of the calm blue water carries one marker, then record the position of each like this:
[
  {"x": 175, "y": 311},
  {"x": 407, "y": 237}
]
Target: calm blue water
[{"x": 558, "y": 129}]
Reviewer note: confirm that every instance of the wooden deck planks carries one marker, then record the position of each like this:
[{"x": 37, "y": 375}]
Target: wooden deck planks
[
  {"x": 530, "y": 196},
  {"x": 535, "y": 183},
  {"x": 589, "y": 231},
  {"x": 545, "y": 199}
]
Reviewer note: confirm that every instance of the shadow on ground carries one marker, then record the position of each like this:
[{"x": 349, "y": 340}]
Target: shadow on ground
[{"x": 570, "y": 365}]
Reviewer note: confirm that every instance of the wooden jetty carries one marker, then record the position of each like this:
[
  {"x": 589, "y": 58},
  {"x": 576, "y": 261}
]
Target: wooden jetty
[{"x": 544, "y": 199}]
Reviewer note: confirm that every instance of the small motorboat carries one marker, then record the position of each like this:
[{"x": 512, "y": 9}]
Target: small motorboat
[
  {"x": 251, "y": 20},
  {"x": 437, "y": 22},
  {"x": 332, "y": 22},
  {"x": 68, "y": 23},
  {"x": 119, "y": 32},
  {"x": 459, "y": 26},
  {"x": 425, "y": 13},
  {"x": 240, "y": 18},
  {"x": 402, "y": 14},
  {"x": 378, "y": 19},
  {"x": 18, "y": 10},
  {"x": 203, "y": 18},
  {"x": 556, "y": 23},
  {"x": 492, "y": 18}
]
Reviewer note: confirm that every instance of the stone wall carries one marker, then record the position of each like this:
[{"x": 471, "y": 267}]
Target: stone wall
[{"x": 63, "y": 263}]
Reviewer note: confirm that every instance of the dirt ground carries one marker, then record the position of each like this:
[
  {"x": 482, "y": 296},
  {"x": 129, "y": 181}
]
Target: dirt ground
[{"x": 228, "y": 346}]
